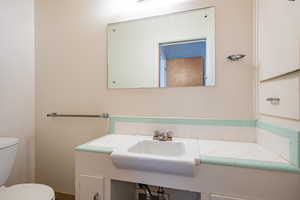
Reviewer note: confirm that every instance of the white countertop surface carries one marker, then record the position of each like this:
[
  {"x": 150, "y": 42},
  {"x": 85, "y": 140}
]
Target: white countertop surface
[{"x": 212, "y": 148}]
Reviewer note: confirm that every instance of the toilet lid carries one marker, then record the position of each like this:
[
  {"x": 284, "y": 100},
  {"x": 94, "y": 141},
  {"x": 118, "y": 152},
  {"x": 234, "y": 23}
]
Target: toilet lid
[{"x": 27, "y": 192}]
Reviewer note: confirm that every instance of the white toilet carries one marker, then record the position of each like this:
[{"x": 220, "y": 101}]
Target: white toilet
[{"x": 8, "y": 151}]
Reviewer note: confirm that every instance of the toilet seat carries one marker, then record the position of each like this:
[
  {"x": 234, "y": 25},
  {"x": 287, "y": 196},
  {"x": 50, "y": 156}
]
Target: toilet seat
[{"x": 27, "y": 192}]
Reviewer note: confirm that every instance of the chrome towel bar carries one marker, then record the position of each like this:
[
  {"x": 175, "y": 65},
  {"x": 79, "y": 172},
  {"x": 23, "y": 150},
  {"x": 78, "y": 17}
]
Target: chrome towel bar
[{"x": 104, "y": 115}]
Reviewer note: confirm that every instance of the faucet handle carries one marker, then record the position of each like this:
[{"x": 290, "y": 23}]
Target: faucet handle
[
  {"x": 170, "y": 135},
  {"x": 157, "y": 133}
]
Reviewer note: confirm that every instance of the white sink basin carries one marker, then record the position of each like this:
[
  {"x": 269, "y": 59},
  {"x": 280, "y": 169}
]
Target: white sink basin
[
  {"x": 178, "y": 157},
  {"x": 158, "y": 148}
]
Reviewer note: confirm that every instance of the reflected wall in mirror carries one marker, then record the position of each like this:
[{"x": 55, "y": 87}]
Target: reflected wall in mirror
[{"x": 175, "y": 50}]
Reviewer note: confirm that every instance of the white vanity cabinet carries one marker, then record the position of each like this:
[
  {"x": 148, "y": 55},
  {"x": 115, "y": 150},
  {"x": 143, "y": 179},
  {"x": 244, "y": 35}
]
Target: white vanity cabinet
[
  {"x": 90, "y": 188},
  {"x": 278, "y": 37},
  {"x": 95, "y": 174}
]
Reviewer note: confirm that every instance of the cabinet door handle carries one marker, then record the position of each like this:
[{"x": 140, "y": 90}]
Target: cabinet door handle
[
  {"x": 273, "y": 100},
  {"x": 96, "y": 196}
]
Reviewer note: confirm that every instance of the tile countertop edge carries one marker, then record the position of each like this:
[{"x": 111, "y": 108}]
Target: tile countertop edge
[
  {"x": 88, "y": 148},
  {"x": 252, "y": 164}
]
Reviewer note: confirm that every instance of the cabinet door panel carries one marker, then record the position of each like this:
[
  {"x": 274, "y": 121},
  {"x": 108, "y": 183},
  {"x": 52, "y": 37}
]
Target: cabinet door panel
[
  {"x": 223, "y": 197},
  {"x": 288, "y": 93},
  {"x": 279, "y": 37},
  {"x": 91, "y": 188}
]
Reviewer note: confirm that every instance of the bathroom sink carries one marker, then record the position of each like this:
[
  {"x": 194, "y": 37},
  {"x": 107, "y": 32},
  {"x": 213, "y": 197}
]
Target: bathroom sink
[
  {"x": 158, "y": 148},
  {"x": 178, "y": 157}
]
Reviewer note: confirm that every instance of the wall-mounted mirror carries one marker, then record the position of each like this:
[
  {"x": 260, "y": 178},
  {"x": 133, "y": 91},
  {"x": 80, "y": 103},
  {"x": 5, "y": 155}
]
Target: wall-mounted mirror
[{"x": 175, "y": 50}]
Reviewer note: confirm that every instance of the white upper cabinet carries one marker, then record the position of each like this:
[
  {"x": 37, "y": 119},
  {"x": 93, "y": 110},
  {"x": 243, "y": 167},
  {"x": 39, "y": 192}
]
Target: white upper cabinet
[
  {"x": 280, "y": 98},
  {"x": 278, "y": 37}
]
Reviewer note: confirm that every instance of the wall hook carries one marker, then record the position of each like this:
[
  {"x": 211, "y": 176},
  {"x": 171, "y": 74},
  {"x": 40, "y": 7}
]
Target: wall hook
[{"x": 236, "y": 57}]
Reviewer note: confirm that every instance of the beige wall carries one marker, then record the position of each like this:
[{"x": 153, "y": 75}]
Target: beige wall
[
  {"x": 71, "y": 77},
  {"x": 17, "y": 83}
]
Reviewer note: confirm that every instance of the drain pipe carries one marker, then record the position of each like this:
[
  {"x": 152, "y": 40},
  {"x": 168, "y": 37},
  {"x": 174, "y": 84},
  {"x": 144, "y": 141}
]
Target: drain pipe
[
  {"x": 161, "y": 193},
  {"x": 147, "y": 191}
]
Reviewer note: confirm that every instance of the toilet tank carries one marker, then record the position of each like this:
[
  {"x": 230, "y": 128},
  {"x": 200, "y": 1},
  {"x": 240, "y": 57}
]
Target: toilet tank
[{"x": 8, "y": 151}]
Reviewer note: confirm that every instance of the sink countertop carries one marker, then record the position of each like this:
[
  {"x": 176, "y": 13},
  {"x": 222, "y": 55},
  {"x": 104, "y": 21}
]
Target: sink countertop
[{"x": 248, "y": 155}]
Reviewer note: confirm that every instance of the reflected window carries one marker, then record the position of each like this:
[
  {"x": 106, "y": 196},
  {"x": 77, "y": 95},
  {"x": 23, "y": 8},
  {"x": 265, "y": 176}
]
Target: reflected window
[{"x": 183, "y": 63}]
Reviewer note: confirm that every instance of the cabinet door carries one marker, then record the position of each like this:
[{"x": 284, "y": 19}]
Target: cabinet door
[
  {"x": 91, "y": 188},
  {"x": 223, "y": 197},
  {"x": 278, "y": 37},
  {"x": 287, "y": 91}
]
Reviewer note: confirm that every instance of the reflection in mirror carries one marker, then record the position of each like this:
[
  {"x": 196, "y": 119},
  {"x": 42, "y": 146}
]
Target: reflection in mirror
[
  {"x": 182, "y": 63},
  {"x": 175, "y": 50}
]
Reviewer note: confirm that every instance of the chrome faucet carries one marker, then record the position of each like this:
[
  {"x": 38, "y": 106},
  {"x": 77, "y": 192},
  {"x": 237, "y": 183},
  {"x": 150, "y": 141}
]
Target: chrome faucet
[{"x": 163, "y": 136}]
